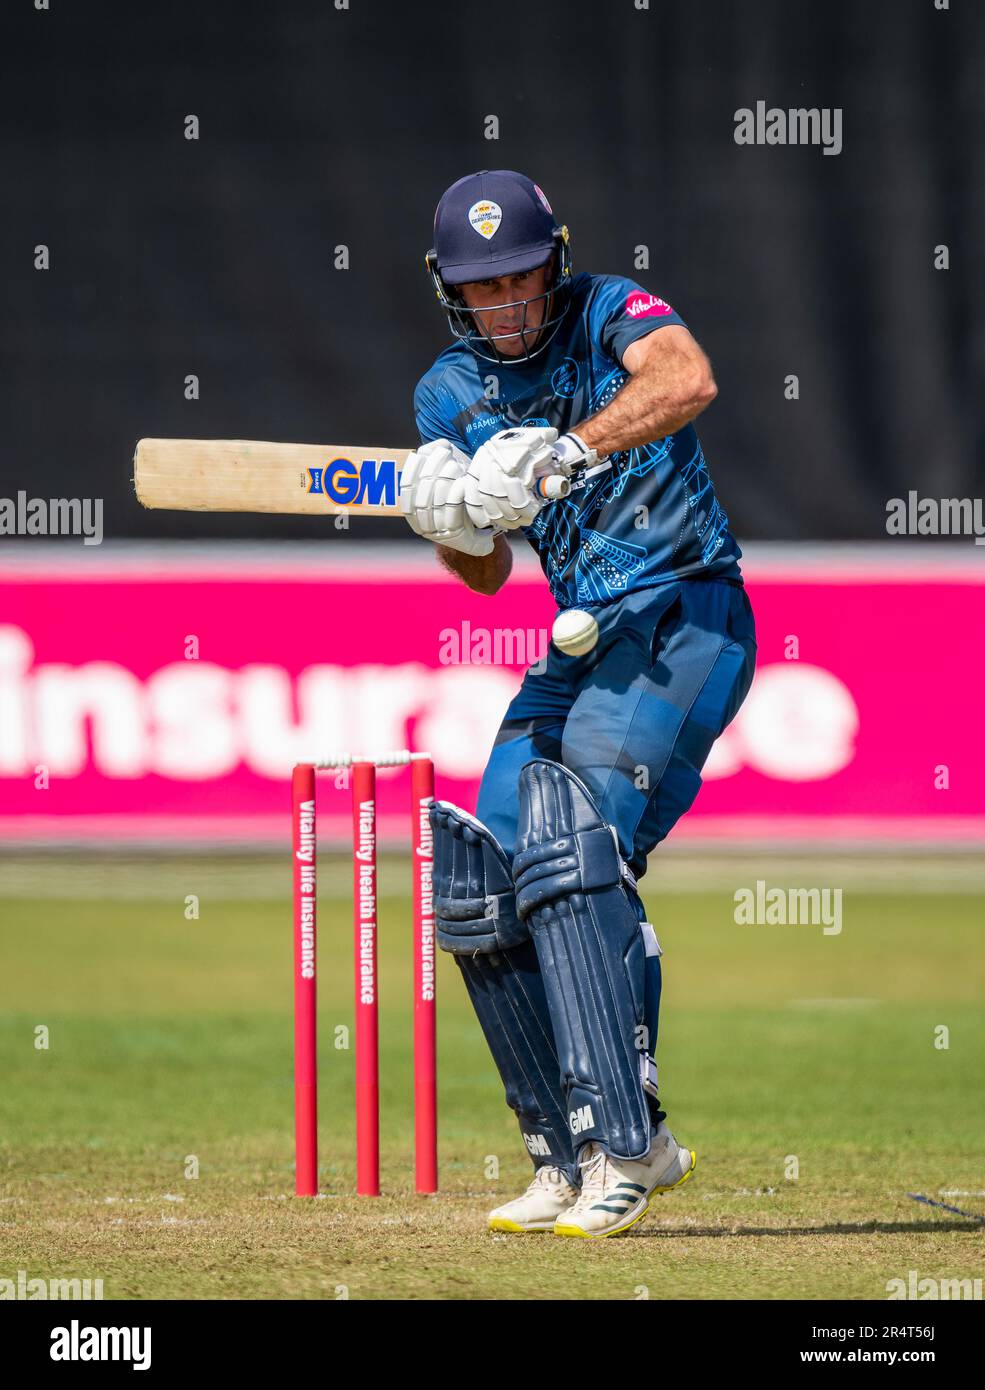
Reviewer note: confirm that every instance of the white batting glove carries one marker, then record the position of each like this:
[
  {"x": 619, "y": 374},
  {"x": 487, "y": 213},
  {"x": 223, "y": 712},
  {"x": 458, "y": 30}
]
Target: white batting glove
[
  {"x": 432, "y": 498},
  {"x": 501, "y": 488},
  {"x": 572, "y": 452},
  {"x": 501, "y": 485}
]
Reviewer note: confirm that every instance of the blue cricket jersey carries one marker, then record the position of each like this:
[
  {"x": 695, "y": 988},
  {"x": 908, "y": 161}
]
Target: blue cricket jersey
[{"x": 652, "y": 517}]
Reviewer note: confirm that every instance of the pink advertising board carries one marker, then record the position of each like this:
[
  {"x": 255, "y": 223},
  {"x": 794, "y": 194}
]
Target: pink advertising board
[{"x": 152, "y": 695}]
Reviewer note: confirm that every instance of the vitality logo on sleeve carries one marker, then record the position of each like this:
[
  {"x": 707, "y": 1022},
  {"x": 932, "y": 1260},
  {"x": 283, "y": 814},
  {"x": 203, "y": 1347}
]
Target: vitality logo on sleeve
[{"x": 640, "y": 305}]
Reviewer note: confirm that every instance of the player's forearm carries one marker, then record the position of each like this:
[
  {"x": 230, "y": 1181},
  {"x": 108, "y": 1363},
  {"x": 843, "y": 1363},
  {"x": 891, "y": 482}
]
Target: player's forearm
[
  {"x": 483, "y": 573},
  {"x": 653, "y": 403}
]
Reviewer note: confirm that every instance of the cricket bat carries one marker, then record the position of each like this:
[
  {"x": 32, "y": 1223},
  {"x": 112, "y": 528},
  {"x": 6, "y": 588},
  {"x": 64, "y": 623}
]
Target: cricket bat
[{"x": 248, "y": 475}]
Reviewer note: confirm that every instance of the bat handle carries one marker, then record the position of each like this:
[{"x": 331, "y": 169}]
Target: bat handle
[{"x": 553, "y": 486}]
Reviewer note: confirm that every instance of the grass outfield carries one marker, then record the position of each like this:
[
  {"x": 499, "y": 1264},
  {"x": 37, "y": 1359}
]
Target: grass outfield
[{"x": 171, "y": 1038}]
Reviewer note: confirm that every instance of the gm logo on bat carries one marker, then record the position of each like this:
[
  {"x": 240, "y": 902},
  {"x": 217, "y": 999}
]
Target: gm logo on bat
[{"x": 370, "y": 483}]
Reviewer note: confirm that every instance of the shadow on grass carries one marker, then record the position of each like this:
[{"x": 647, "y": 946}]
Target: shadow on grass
[{"x": 848, "y": 1228}]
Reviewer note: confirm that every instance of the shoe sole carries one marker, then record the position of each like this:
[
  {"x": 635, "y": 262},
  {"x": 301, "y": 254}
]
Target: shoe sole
[
  {"x": 631, "y": 1220},
  {"x": 518, "y": 1228}
]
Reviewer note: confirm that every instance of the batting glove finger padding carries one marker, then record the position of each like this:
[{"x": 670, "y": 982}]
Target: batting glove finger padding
[
  {"x": 501, "y": 485},
  {"x": 432, "y": 497}
]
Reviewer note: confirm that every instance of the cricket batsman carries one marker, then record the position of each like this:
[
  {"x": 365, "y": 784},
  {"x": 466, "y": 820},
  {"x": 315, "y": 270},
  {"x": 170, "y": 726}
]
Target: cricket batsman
[{"x": 600, "y": 753}]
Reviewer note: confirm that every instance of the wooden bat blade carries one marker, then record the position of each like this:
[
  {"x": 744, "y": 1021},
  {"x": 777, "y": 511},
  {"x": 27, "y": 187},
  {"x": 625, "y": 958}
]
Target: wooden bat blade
[{"x": 248, "y": 475}]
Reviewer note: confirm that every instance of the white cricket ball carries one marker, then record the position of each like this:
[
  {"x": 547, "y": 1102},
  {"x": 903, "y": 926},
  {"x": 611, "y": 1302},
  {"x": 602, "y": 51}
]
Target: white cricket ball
[{"x": 575, "y": 632}]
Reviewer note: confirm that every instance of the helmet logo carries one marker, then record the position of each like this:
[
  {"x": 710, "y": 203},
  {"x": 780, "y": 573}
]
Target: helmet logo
[
  {"x": 485, "y": 218},
  {"x": 543, "y": 198}
]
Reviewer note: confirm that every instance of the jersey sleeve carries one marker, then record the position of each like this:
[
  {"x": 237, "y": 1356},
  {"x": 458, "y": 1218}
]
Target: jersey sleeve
[
  {"x": 622, "y": 311},
  {"x": 433, "y": 422}
]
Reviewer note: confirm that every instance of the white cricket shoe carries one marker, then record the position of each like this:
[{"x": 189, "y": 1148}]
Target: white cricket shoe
[
  {"x": 616, "y": 1192},
  {"x": 548, "y": 1196}
]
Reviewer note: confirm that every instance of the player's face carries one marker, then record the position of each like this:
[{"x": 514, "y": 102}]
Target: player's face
[{"x": 500, "y": 307}]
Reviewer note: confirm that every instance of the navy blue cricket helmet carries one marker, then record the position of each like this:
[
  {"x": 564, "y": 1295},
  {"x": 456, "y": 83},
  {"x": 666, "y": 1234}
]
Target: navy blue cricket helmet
[{"x": 498, "y": 222}]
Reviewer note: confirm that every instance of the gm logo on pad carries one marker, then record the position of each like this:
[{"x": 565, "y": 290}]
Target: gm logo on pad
[{"x": 370, "y": 483}]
